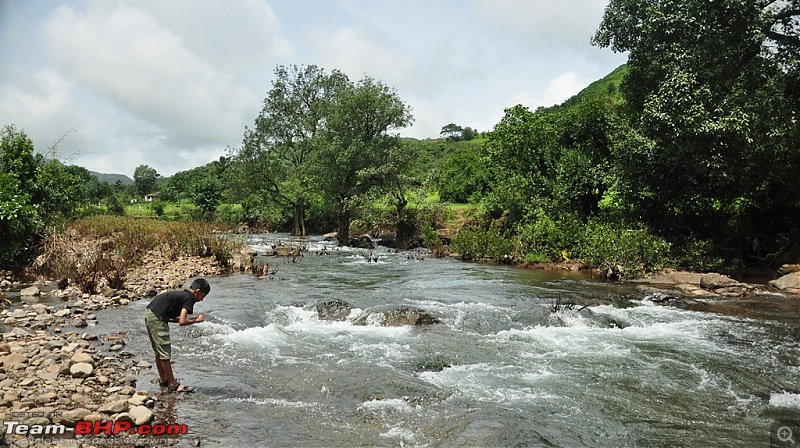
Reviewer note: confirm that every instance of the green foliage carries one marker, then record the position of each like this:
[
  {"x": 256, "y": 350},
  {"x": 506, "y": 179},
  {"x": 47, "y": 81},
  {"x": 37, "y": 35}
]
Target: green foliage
[
  {"x": 206, "y": 193},
  {"x": 475, "y": 243},
  {"x": 19, "y": 219},
  {"x": 115, "y": 205},
  {"x": 623, "y": 252},
  {"x": 144, "y": 179},
  {"x": 555, "y": 239},
  {"x": 231, "y": 214},
  {"x": 33, "y": 195},
  {"x": 158, "y": 208},
  {"x": 463, "y": 176},
  {"x": 712, "y": 91}
]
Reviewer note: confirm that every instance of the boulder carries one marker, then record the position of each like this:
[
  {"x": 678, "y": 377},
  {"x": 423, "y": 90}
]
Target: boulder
[
  {"x": 787, "y": 282},
  {"x": 362, "y": 242},
  {"x": 72, "y": 416},
  {"x": 83, "y": 357},
  {"x": 333, "y": 309},
  {"x": 13, "y": 359},
  {"x": 714, "y": 281},
  {"x": 788, "y": 269},
  {"x": 393, "y": 316}
]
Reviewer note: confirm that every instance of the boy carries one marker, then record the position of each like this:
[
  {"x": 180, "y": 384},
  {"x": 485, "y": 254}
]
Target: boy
[{"x": 172, "y": 306}]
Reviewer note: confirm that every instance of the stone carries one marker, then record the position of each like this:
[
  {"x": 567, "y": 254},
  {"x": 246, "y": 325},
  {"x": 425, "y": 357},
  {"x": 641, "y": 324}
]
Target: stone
[
  {"x": 46, "y": 398},
  {"x": 70, "y": 417},
  {"x": 25, "y": 382},
  {"x": 138, "y": 399},
  {"x": 30, "y": 291},
  {"x": 140, "y": 414},
  {"x": 83, "y": 357},
  {"x": 63, "y": 312},
  {"x": 788, "y": 269},
  {"x": 333, "y": 309},
  {"x": 79, "y": 323},
  {"x": 392, "y": 316},
  {"x": 114, "y": 407},
  {"x": 788, "y": 281},
  {"x": 712, "y": 281},
  {"x": 81, "y": 370},
  {"x": 40, "y": 308},
  {"x": 13, "y": 359},
  {"x": 95, "y": 417}
]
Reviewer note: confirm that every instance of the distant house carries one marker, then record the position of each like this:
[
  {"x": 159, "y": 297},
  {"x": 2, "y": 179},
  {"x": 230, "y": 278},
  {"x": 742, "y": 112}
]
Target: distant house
[{"x": 150, "y": 197}]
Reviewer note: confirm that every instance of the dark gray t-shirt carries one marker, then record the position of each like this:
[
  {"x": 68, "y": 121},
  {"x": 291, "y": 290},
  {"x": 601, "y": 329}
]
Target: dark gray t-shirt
[{"x": 168, "y": 305}]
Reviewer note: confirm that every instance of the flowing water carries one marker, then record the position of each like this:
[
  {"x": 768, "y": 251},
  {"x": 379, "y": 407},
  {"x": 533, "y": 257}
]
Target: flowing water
[{"x": 515, "y": 371}]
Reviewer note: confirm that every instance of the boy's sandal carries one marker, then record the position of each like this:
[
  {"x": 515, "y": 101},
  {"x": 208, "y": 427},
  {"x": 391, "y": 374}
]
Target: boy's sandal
[
  {"x": 163, "y": 383},
  {"x": 178, "y": 387}
]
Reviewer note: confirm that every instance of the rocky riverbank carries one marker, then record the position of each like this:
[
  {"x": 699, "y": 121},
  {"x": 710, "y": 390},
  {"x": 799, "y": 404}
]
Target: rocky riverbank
[{"x": 54, "y": 370}]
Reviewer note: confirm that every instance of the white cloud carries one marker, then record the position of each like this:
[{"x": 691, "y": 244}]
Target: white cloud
[
  {"x": 559, "y": 23},
  {"x": 171, "y": 84}
]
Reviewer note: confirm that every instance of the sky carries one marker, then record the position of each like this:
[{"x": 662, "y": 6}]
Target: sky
[{"x": 111, "y": 85}]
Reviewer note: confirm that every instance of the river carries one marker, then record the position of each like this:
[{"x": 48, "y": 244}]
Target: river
[{"x": 513, "y": 369}]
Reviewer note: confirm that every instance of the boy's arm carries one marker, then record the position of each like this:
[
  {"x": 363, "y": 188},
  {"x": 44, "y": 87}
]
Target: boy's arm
[{"x": 184, "y": 318}]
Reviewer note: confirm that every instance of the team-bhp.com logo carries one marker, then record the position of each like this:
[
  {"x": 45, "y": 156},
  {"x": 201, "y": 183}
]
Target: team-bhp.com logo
[{"x": 86, "y": 428}]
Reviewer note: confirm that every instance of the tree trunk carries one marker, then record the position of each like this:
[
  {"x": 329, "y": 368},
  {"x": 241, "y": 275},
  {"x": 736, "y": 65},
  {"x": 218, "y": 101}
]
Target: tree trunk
[
  {"x": 299, "y": 219},
  {"x": 405, "y": 233},
  {"x": 344, "y": 226},
  {"x": 405, "y": 229}
]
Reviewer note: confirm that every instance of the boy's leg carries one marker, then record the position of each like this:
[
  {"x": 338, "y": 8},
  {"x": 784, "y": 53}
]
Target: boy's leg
[
  {"x": 158, "y": 332},
  {"x": 161, "y": 374},
  {"x": 165, "y": 366}
]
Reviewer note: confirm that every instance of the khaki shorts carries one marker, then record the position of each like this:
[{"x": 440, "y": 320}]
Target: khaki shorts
[{"x": 158, "y": 331}]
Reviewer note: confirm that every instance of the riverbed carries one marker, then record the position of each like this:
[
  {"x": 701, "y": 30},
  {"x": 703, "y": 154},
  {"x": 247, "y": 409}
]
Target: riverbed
[{"x": 519, "y": 358}]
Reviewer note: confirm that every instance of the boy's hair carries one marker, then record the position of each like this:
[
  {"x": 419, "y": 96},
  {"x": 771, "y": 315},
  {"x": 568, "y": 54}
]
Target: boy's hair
[{"x": 202, "y": 285}]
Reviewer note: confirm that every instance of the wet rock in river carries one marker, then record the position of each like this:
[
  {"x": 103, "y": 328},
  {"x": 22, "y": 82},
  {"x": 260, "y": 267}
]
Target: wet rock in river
[
  {"x": 393, "y": 316},
  {"x": 333, "y": 309}
]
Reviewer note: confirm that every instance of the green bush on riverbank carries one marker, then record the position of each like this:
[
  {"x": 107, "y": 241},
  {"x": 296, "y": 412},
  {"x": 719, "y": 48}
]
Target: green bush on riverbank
[{"x": 617, "y": 250}]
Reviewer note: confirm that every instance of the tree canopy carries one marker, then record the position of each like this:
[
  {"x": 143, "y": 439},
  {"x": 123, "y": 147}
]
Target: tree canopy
[{"x": 712, "y": 94}]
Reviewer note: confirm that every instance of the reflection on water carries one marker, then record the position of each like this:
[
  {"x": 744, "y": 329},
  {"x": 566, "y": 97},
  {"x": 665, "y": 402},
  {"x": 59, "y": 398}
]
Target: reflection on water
[{"x": 512, "y": 370}]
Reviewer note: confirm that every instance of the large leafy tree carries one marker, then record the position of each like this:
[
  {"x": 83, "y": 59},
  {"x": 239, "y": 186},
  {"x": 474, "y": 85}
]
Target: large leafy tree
[
  {"x": 276, "y": 155},
  {"x": 144, "y": 178},
  {"x": 713, "y": 95},
  {"x": 554, "y": 161},
  {"x": 358, "y": 144}
]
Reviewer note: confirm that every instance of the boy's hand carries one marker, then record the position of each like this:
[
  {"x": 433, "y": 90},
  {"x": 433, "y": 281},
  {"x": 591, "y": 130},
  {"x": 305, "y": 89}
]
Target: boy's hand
[{"x": 199, "y": 318}]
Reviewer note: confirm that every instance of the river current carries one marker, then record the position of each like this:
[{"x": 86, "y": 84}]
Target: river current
[{"x": 506, "y": 367}]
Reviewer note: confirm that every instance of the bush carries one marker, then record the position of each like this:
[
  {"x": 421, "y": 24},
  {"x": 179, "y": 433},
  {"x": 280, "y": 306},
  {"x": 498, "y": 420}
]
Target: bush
[
  {"x": 550, "y": 238},
  {"x": 475, "y": 243},
  {"x": 623, "y": 252},
  {"x": 230, "y": 214}
]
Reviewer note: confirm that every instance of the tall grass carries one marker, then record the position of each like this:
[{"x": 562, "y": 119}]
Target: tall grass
[{"x": 106, "y": 247}]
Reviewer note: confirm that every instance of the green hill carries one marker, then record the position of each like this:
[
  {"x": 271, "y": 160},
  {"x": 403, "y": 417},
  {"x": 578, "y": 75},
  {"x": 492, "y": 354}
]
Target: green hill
[
  {"x": 608, "y": 85},
  {"x": 112, "y": 178}
]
